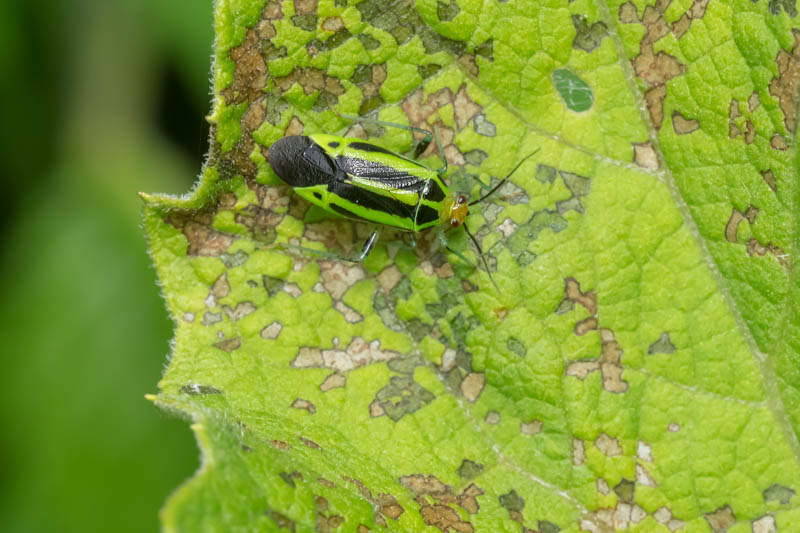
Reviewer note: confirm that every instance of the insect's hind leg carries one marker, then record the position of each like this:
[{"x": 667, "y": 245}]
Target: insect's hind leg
[
  {"x": 365, "y": 250},
  {"x": 421, "y": 145},
  {"x": 368, "y": 245}
]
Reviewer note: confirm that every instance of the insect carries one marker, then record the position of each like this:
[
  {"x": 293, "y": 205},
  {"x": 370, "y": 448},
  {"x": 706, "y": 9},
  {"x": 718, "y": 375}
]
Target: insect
[{"x": 351, "y": 178}]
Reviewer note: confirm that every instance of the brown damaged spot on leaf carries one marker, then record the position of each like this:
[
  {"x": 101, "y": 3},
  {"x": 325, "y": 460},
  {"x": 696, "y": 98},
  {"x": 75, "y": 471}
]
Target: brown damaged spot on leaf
[
  {"x": 326, "y": 522},
  {"x": 644, "y": 478},
  {"x": 294, "y": 127},
  {"x": 357, "y": 354},
  {"x": 784, "y": 87},
  {"x": 338, "y": 277},
  {"x": 469, "y": 64},
  {"x": 769, "y": 178},
  {"x": 289, "y": 477},
  {"x": 310, "y": 79},
  {"x": 386, "y": 504},
  {"x": 300, "y": 403},
  {"x": 310, "y": 443},
  {"x": 608, "y": 446},
  {"x": 333, "y": 381},
  {"x": 609, "y": 363},
  {"x": 272, "y": 11},
  {"x": 282, "y": 521},
  {"x": 645, "y": 156},
  {"x": 250, "y": 71},
  {"x": 436, "y": 501},
  {"x": 369, "y": 78},
  {"x": 749, "y": 132},
  {"x": 697, "y": 11},
  {"x": 260, "y": 222},
  {"x": 620, "y": 518},
  {"x": 304, "y": 7},
  {"x": 778, "y": 142},
  {"x": 389, "y": 277},
  {"x": 280, "y": 445},
  {"x": 734, "y": 130},
  {"x": 764, "y": 524},
  {"x": 534, "y": 427},
  {"x": 249, "y": 81},
  {"x": 204, "y": 241},
  {"x": 472, "y": 386},
  {"x": 221, "y": 288},
  {"x": 734, "y": 112},
  {"x": 627, "y": 13},
  {"x": 585, "y": 326},
  {"x": 655, "y": 69},
  {"x": 654, "y": 98},
  {"x": 753, "y": 102},
  {"x": 419, "y": 113},
  {"x": 573, "y": 294},
  {"x": 578, "y": 451},
  {"x": 732, "y": 227},
  {"x": 229, "y": 345},
  {"x": 326, "y": 482},
  {"x": 241, "y": 310},
  {"x": 756, "y": 248},
  {"x": 682, "y": 125},
  {"x": 333, "y": 24},
  {"x": 721, "y": 519}
]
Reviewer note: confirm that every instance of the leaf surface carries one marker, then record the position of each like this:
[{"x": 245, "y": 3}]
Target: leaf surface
[{"x": 637, "y": 366}]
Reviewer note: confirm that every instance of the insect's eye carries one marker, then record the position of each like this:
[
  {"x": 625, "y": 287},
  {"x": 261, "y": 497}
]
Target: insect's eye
[
  {"x": 454, "y": 222},
  {"x": 461, "y": 199}
]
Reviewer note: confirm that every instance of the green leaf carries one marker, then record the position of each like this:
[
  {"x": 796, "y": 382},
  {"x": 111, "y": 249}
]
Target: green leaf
[{"x": 635, "y": 369}]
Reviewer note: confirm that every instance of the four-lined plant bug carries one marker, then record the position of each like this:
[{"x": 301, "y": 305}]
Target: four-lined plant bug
[{"x": 351, "y": 178}]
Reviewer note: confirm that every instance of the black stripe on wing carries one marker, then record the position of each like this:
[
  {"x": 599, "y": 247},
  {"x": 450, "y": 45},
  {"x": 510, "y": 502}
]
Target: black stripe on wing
[{"x": 371, "y": 200}]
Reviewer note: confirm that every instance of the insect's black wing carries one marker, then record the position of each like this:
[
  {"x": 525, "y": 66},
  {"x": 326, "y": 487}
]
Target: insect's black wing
[{"x": 384, "y": 177}]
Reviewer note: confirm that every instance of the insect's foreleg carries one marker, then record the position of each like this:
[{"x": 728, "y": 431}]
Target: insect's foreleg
[
  {"x": 443, "y": 240},
  {"x": 461, "y": 256},
  {"x": 484, "y": 186}
]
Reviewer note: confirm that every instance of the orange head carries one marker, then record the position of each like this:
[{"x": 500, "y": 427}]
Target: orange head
[{"x": 458, "y": 211}]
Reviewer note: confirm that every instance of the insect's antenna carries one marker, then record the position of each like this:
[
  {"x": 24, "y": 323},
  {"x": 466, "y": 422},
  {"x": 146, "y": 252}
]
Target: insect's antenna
[
  {"x": 483, "y": 257},
  {"x": 504, "y": 180}
]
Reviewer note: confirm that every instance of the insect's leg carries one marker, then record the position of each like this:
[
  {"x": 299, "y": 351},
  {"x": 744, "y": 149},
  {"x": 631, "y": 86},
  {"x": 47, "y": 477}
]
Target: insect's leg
[
  {"x": 368, "y": 245},
  {"x": 443, "y": 169},
  {"x": 458, "y": 254},
  {"x": 421, "y": 145},
  {"x": 318, "y": 253},
  {"x": 332, "y": 255},
  {"x": 443, "y": 240}
]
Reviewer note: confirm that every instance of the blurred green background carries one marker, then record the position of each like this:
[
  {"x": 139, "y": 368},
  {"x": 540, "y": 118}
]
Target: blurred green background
[{"x": 99, "y": 101}]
